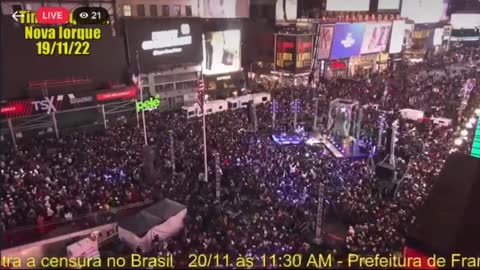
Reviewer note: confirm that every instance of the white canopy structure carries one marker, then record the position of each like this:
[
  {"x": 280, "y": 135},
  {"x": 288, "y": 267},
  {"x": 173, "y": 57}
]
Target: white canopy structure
[{"x": 165, "y": 219}]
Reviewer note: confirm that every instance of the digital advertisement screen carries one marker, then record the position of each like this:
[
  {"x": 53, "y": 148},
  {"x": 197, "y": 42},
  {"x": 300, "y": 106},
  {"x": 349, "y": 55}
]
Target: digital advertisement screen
[
  {"x": 348, "y": 5},
  {"x": 325, "y": 41},
  {"x": 163, "y": 41},
  {"x": 375, "y": 38},
  {"x": 465, "y": 21},
  {"x": 227, "y": 8},
  {"x": 304, "y": 54},
  {"x": 347, "y": 40},
  {"x": 476, "y": 142},
  {"x": 221, "y": 52},
  {"x": 285, "y": 53},
  {"x": 422, "y": 38},
  {"x": 388, "y": 4},
  {"x": 286, "y": 10},
  {"x": 397, "y": 36},
  {"x": 424, "y": 11}
]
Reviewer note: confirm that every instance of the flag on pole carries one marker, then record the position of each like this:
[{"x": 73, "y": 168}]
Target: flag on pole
[{"x": 201, "y": 93}]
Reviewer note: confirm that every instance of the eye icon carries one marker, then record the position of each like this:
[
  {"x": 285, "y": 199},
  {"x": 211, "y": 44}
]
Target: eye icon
[{"x": 83, "y": 15}]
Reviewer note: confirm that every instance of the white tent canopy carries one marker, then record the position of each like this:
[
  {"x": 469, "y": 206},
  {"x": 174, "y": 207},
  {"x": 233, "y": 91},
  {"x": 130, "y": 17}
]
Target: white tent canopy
[{"x": 165, "y": 219}]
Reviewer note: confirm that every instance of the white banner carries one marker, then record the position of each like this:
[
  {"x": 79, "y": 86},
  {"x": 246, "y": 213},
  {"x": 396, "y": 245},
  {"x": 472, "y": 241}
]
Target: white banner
[
  {"x": 397, "y": 35},
  {"x": 347, "y": 5},
  {"x": 438, "y": 37},
  {"x": 375, "y": 38},
  {"x": 465, "y": 21}
]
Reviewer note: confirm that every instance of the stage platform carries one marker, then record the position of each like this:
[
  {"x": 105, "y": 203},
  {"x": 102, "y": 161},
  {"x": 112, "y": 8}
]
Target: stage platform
[{"x": 339, "y": 148}]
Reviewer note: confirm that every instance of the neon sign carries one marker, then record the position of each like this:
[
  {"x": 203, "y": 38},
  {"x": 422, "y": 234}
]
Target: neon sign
[{"x": 148, "y": 105}]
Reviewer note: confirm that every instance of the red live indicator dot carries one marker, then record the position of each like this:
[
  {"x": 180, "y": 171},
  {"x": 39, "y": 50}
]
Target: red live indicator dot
[{"x": 52, "y": 15}]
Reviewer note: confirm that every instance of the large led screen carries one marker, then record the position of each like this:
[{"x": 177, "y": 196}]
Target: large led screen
[
  {"x": 465, "y": 21},
  {"x": 285, "y": 53},
  {"x": 396, "y": 37},
  {"x": 348, "y": 5},
  {"x": 347, "y": 40},
  {"x": 424, "y": 11},
  {"x": 221, "y": 52},
  {"x": 376, "y": 37},
  {"x": 388, "y": 4},
  {"x": 286, "y": 10},
  {"x": 163, "y": 41},
  {"x": 325, "y": 41},
  {"x": 226, "y": 8},
  {"x": 304, "y": 54}
]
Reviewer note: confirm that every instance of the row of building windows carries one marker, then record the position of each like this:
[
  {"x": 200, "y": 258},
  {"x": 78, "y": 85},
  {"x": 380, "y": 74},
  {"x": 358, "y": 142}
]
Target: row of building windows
[
  {"x": 172, "y": 86},
  {"x": 153, "y": 10}
]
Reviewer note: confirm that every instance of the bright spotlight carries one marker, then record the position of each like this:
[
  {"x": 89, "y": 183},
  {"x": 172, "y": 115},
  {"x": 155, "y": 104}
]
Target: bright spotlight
[
  {"x": 469, "y": 125},
  {"x": 458, "y": 141},
  {"x": 464, "y": 132}
]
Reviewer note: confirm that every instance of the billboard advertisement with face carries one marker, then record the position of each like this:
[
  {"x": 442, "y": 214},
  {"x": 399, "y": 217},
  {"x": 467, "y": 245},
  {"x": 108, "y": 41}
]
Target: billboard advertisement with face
[
  {"x": 221, "y": 52},
  {"x": 376, "y": 37},
  {"x": 325, "y": 41},
  {"x": 347, "y": 40}
]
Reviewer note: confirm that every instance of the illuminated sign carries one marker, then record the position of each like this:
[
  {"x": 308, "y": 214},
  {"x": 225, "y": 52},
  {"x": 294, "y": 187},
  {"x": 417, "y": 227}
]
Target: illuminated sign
[
  {"x": 325, "y": 41},
  {"x": 303, "y": 54},
  {"x": 476, "y": 142},
  {"x": 347, "y": 40},
  {"x": 148, "y": 105},
  {"x": 168, "y": 42},
  {"x": 123, "y": 94}
]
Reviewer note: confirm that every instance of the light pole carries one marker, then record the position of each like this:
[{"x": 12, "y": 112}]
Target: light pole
[{"x": 141, "y": 100}]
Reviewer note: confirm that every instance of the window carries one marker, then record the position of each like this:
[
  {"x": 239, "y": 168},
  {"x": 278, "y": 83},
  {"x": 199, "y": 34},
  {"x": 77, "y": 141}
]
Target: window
[
  {"x": 141, "y": 10},
  {"x": 153, "y": 10},
  {"x": 188, "y": 11},
  {"x": 221, "y": 107},
  {"x": 190, "y": 113},
  {"x": 264, "y": 99},
  {"x": 127, "y": 10},
  {"x": 165, "y": 10},
  {"x": 177, "y": 11},
  {"x": 209, "y": 110}
]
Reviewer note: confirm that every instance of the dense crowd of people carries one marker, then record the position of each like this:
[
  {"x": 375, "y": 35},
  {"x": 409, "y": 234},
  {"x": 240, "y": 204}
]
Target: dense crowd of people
[{"x": 269, "y": 192}]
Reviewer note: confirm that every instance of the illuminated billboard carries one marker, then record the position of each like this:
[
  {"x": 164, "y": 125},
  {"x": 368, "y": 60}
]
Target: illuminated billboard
[
  {"x": 163, "y": 41},
  {"x": 325, "y": 41},
  {"x": 396, "y": 37},
  {"x": 303, "y": 55},
  {"x": 226, "y": 8},
  {"x": 375, "y": 38},
  {"x": 424, "y": 11},
  {"x": 476, "y": 142},
  {"x": 221, "y": 52},
  {"x": 348, "y": 5},
  {"x": 285, "y": 53},
  {"x": 347, "y": 40}
]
